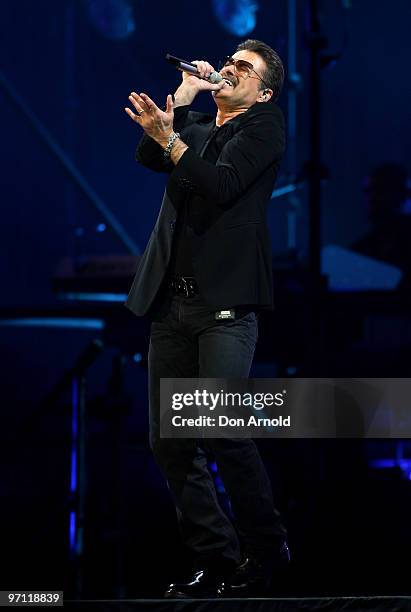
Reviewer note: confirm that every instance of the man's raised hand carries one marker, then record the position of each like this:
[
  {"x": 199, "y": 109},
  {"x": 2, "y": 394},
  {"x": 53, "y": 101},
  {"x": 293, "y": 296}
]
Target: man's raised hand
[{"x": 156, "y": 123}]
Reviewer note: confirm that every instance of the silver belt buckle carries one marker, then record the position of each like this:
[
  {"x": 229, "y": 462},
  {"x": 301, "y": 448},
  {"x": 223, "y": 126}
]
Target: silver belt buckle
[{"x": 185, "y": 286}]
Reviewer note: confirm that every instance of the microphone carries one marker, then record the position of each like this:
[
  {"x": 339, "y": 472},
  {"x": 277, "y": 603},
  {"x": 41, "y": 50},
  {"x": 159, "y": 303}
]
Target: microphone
[{"x": 215, "y": 77}]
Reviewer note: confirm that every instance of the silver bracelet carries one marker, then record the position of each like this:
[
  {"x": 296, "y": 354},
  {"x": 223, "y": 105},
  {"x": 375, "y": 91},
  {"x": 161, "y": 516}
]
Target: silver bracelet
[{"x": 170, "y": 143}]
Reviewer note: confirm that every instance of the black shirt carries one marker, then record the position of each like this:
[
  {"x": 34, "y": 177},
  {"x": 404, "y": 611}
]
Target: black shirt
[{"x": 181, "y": 258}]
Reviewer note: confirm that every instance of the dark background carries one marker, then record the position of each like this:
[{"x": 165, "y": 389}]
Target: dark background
[{"x": 70, "y": 64}]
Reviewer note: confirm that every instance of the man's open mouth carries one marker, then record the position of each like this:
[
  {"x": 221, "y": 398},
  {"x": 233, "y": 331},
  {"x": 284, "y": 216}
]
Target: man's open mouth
[{"x": 228, "y": 81}]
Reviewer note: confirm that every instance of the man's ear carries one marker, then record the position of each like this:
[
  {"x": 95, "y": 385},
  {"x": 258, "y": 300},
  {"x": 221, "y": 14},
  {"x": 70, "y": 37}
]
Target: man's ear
[{"x": 265, "y": 95}]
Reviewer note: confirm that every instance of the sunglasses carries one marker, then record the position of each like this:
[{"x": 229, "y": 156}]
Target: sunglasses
[{"x": 241, "y": 67}]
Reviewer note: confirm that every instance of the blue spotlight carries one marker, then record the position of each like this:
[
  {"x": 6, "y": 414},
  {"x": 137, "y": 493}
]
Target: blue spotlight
[
  {"x": 114, "y": 19},
  {"x": 236, "y": 16}
]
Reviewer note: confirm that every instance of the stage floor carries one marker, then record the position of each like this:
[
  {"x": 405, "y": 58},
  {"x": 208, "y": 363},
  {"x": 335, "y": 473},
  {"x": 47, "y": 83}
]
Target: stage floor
[{"x": 328, "y": 604}]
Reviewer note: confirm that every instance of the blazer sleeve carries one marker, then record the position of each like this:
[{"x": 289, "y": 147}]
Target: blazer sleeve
[
  {"x": 150, "y": 154},
  {"x": 259, "y": 144}
]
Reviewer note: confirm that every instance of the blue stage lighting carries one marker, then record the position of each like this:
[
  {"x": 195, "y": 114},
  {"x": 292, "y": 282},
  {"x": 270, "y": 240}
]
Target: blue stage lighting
[
  {"x": 114, "y": 19},
  {"x": 236, "y": 16}
]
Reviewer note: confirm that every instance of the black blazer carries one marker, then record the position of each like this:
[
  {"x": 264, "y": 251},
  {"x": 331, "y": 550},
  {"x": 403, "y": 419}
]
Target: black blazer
[{"x": 226, "y": 206}]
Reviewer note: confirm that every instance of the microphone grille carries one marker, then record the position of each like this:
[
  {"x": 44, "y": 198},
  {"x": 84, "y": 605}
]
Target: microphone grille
[{"x": 215, "y": 77}]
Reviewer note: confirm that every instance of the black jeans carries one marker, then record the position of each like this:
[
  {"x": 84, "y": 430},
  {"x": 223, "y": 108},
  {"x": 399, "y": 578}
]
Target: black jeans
[{"x": 186, "y": 341}]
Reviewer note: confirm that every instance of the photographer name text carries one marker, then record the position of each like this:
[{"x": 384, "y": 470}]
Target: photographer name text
[{"x": 225, "y": 421}]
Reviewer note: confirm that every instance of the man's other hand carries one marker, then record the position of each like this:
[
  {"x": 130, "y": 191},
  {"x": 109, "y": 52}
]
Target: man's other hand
[
  {"x": 192, "y": 85},
  {"x": 204, "y": 71}
]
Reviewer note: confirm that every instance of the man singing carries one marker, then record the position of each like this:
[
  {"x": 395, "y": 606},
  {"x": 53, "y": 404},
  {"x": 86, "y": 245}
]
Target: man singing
[{"x": 204, "y": 276}]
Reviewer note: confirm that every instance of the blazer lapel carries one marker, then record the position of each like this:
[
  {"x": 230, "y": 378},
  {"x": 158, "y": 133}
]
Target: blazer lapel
[{"x": 200, "y": 135}]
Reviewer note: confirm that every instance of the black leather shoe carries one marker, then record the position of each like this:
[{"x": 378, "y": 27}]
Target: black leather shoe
[
  {"x": 253, "y": 577},
  {"x": 204, "y": 583}
]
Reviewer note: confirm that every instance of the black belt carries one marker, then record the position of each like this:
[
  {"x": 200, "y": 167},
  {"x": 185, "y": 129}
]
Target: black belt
[{"x": 183, "y": 285}]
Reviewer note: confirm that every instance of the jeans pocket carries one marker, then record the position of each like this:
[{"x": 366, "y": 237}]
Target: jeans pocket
[{"x": 249, "y": 322}]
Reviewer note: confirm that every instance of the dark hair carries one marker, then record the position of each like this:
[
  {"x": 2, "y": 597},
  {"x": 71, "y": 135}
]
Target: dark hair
[{"x": 274, "y": 72}]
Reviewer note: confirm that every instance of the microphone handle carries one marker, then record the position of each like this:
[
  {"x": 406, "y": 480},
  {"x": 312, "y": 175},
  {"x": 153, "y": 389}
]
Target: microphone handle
[{"x": 185, "y": 66}]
